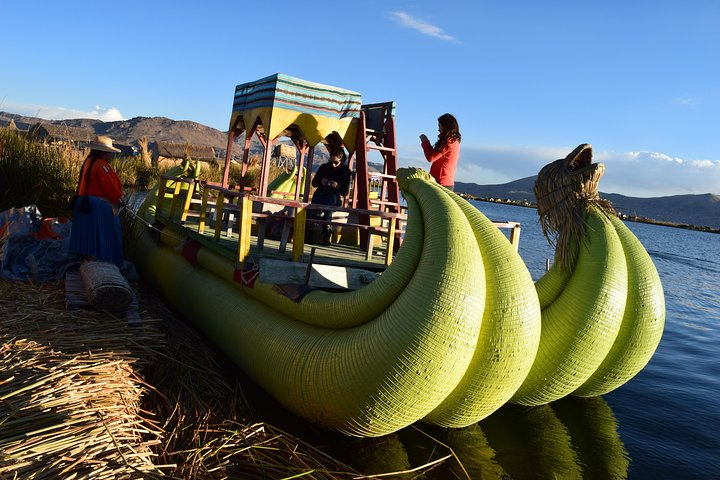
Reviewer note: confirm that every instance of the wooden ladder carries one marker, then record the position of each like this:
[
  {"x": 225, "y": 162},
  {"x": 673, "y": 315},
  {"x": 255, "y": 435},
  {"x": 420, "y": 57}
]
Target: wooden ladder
[{"x": 376, "y": 131}]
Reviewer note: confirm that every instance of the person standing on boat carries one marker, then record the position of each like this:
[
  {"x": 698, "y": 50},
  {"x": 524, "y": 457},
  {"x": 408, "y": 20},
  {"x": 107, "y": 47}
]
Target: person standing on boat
[
  {"x": 96, "y": 233},
  {"x": 445, "y": 153},
  {"x": 332, "y": 182}
]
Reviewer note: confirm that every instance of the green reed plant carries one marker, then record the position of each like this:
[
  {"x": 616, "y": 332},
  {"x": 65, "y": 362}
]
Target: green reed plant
[
  {"x": 36, "y": 173},
  {"x": 127, "y": 169}
]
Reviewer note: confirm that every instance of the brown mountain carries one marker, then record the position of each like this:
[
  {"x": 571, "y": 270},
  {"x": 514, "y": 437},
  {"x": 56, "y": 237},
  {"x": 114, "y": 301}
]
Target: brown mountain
[{"x": 129, "y": 131}]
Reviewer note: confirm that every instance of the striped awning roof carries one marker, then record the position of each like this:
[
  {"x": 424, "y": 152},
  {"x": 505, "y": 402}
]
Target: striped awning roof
[{"x": 280, "y": 101}]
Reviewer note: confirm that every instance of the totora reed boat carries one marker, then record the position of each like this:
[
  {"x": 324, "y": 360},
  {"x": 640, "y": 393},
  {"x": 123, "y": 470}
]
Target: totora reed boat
[{"x": 421, "y": 308}]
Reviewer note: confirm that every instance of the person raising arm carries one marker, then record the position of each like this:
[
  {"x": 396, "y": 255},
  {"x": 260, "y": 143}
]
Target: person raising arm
[{"x": 444, "y": 155}]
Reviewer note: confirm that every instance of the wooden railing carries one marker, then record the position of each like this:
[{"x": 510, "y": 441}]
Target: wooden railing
[
  {"x": 222, "y": 203},
  {"x": 206, "y": 200}
]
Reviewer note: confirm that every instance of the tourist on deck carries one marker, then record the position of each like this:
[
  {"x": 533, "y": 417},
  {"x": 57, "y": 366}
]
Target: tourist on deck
[
  {"x": 96, "y": 233},
  {"x": 332, "y": 181},
  {"x": 445, "y": 153}
]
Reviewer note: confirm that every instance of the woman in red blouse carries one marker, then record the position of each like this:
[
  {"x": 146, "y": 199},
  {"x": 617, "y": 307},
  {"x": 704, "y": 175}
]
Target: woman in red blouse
[
  {"x": 445, "y": 153},
  {"x": 96, "y": 233}
]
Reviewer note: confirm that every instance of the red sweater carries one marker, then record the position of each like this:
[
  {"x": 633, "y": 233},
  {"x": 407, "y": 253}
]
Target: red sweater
[
  {"x": 443, "y": 161},
  {"x": 101, "y": 182}
]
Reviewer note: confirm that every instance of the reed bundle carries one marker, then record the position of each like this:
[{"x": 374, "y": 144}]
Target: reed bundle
[
  {"x": 83, "y": 395},
  {"x": 70, "y": 395},
  {"x": 565, "y": 190}
]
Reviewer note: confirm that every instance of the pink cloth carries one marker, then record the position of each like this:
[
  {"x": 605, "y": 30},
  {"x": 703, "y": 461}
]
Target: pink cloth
[{"x": 443, "y": 161}]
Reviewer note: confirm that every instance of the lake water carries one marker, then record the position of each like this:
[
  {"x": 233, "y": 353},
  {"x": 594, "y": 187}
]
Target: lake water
[{"x": 663, "y": 424}]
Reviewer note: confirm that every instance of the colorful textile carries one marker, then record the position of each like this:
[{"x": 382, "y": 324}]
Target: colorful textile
[
  {"x": 281, "y": 100},
  {"x": 443, "y": 161},
  {"x": 31, "y": 247},
  {"x": 97, "y": 233},
  {"x": 102, "y": 181}
]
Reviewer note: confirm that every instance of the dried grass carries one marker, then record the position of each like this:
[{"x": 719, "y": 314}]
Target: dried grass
[
  {"x": 70, "y": 394},
  {"x": 82, "y": 394}
]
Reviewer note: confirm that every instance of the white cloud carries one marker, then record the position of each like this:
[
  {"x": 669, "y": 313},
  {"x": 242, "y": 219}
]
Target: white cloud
[
  {"x": 655, "y": 174},
  {"x": 110, "y": 114},
  {"x": 664, "y": 157},
  {"x": 706, "y": 163},
  {"x": 425, "y": 28}
]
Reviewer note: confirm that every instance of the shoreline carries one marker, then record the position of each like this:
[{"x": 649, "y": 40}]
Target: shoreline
[{"x": 629, "y": 218}]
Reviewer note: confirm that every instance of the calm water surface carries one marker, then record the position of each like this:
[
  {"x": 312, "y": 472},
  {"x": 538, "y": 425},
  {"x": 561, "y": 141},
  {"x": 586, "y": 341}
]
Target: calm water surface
[{"x": 663, "y": 424}]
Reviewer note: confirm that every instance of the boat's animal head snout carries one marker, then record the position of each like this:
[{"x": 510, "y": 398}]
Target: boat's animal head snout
[{"x": 569, "y": 179}]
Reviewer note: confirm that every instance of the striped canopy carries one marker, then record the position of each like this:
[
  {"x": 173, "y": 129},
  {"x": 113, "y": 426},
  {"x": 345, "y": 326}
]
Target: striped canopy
[{"x": 281, "y": 100}]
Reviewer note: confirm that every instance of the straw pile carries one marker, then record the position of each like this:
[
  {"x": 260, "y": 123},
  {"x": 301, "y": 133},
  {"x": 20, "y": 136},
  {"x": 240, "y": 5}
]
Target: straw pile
[
  {"x": 70, "y": 395},
  {"x": 83, "y": 395}
]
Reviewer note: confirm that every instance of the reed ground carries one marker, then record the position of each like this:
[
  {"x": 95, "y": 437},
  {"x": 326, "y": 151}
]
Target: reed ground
[{"x": 84, "y": 393}]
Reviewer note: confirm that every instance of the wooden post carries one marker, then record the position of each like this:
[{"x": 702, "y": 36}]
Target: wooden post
[
  {"x": 203, "y": 210},
  {"x": 219, "y": 214},
  {"x": 302, "y": 147},
  {"x": 188, "y": 201},
  {"x": 244, "y": 226},
  {"x": 232, "y": 133},
  {"x": 265, "y": 169},
  {"x": 515, "y": 236},
  {"x": 161, "y": 196},
  {"x": 246, "y": 152},
  {"x": 299, "y": 234},
  {"x": 390, "y": 241},
  {"x": 306, "y": 193},
  {"x": 176, "y": 194}
]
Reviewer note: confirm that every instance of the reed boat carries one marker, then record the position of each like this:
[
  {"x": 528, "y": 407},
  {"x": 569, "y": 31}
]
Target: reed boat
[{"x": 421, "y": 308}]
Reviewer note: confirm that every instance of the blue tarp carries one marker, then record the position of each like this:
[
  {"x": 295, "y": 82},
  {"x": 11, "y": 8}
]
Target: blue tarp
[{"x": 33, "y": 248}]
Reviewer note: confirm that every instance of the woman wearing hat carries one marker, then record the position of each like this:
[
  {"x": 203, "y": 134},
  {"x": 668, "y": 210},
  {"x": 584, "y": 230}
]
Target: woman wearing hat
[{"x": 96, "y": 232}]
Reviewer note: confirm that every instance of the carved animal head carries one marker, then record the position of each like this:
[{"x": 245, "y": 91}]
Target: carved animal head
[{"x": 565, "y": 189}]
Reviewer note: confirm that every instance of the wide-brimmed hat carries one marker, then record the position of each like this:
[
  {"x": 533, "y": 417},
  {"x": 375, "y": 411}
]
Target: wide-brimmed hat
[{"x": 104, "y": 144}]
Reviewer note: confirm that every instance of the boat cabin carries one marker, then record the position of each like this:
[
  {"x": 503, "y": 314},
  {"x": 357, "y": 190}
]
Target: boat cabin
[{"x": 255, "y": 221}]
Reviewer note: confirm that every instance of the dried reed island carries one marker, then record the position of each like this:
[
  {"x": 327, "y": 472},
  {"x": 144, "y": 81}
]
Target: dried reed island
[{"x": 86, "y": 394}]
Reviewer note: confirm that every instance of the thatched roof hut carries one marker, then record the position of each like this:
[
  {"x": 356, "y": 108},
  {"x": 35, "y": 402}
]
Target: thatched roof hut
[{"x": 166, "y": 152}]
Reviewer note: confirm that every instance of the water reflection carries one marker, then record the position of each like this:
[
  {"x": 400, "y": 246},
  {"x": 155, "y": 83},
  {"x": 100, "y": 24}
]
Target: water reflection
[{"x": 570, "y": 438}]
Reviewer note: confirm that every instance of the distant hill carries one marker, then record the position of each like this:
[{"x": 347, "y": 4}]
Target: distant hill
[
  {"x": 700, "y": 210},
  {"x": 129, "y": 131},
  {"x": 517, "y": 190}
]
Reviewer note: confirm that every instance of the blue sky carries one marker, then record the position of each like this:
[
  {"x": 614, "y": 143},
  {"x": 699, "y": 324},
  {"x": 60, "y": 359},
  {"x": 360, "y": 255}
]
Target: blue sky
[{"x": 527, "y": 80}]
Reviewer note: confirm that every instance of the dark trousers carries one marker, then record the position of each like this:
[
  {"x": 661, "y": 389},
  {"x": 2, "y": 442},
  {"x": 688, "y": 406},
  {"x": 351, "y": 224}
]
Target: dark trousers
[{"x": 321, "y": 197}]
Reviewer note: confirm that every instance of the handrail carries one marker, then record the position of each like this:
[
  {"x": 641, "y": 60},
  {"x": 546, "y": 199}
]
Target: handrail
[{"x": 241, "y": 202}]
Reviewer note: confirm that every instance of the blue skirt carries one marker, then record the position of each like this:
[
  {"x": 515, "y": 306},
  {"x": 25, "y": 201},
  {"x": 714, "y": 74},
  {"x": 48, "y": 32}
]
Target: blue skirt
[{"x": 97, "y": 233}]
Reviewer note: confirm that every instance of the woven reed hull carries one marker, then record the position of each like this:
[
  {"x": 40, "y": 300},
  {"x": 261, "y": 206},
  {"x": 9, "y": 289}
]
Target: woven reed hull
[
  {"x": 409, "y": 354},
  {"x": 368, "y": 380},
  {"x": 447, "y": 335},
  {"x": 602, "y": 322}
]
